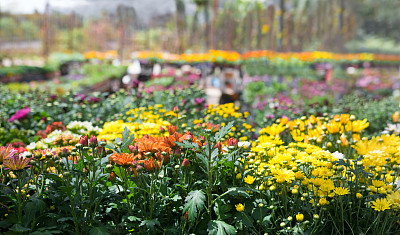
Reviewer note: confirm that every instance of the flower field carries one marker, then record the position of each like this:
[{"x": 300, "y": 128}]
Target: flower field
[{"x": 165, "y": 162}]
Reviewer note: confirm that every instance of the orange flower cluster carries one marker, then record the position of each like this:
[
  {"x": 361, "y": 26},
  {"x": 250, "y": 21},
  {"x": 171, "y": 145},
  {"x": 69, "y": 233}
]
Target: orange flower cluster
[
  {"x": 152, "y": 152},
  {"x": 101, "y": 55},
  {"x": 233, "y": 56}
]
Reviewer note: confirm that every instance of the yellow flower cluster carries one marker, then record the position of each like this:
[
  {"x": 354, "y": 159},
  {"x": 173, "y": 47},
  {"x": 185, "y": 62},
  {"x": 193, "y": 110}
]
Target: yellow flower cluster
[
  {"x": 381, "y": 159},
  {"x": 337, "y": 133},
  {"x": 143, "y": 114},
  {"x": 225, "y": 113},
  {"x": 113, "y": 130},
  {"x": 316, "y": 175},
  {"x": 226, "y": 110},
  {"x": 141, "y": 121}
]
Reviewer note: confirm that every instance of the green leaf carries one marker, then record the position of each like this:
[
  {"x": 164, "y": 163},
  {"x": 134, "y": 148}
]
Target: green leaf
[
  {"x": 194, "y": 204},
  {"x": 150, "y": 223},
  {"x": 245, "y": 219},
  {"x": 239, "y": 191},
  {"x": 187, "y": 144},
  {"x": 204, "y": 160},
  {"x": 221, "y": 210},
  {"x": 98, "y": 231},
  {"x": 267, "y": 220},
  {"x": 19, "y": 228},
  {"x": 214, "y": 155},
  {"x": 32, "y": 208},
  {"x": 223, "y": 131},
  {"x": 133, "y": 218},
  {"x": 126, "y": 138},
  {"x": 218, "y": 227},
  {"x": 46, "y": 231}
]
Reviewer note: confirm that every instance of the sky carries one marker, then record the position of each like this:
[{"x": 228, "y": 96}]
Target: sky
[
  {"x": 29, "y": 6},
  {"x": 88, "y": 8}
]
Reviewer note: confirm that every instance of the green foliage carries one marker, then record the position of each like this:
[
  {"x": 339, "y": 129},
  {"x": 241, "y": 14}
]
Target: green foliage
[
  {"x": 164, "y": 81},
  {"x": 217, "y": 227},
  {"x": 377, "y": 112},
  {"x": 194, "y": 203}
]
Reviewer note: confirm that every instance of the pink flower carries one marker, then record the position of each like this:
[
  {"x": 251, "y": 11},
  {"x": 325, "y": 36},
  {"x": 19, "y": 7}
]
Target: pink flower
[
  {"x": 20, "y": 114},
  {"x": 84, "y": 141},
  {"x": 198, "y": 101},
  {"x": 93, "y": 141},
  {"x": 93, "y": 100},
  {"x": 6, "y": 152},
  {"x": 16, "y": 162},
  {"x": 232, "y": 142},
  {"x": 185, "y": 162}
]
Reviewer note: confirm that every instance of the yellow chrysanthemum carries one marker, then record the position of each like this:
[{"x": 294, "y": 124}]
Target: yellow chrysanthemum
[
  {"x": 381, "y": 204},
  {"x": 341, "y": 191},
  {"x": 239, "y": 207},
  {"x": 249, "y": 179}
]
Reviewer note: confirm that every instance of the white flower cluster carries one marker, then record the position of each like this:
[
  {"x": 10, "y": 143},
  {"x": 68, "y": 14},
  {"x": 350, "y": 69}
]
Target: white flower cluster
[
  {"x": 83, "y": 128},
  {"x": 244, "y": 144},
  {"x": 392, "y": 129},
  {"x": 44, "y": 143},
  {"x": 337, "y": 155}
]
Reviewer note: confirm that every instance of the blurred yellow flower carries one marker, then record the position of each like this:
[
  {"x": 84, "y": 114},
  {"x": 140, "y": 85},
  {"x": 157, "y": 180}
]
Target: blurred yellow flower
[
  {"x": 239, "y": 207},
  {"x": 249, "y": 179},
  {"x": 299, "y": 217}
]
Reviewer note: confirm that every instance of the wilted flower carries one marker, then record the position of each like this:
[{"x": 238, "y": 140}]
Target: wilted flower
[
  {"x": 133, "y": 148},
  {"x": 269, "y": 116},
  {"x": 162, "y": 130},
  {"x": 219, "y": 146},
  {"x": 178, "y": 152},
  {"x": 93, "y": 100}
]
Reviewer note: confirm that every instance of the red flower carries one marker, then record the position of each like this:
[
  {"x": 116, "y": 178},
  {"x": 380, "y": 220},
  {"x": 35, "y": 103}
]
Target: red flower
[
  {"x": 232, "y": 142},
  {"x": 219, "y": 146},
  {"x": 84, "y": 141},
  {"x": 185, "y": 162},
  {"x": 93, "y": 141}
]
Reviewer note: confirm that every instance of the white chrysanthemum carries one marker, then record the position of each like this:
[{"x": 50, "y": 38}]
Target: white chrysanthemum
[
  {"x": 83, "y": 128},
  {"x": 338, "y": 155},
  {"x": 24, "y": 154},
  {"x": 31, "y": 146},
  {"x": 245, "y": 144},
  {"x": 392, "y": 129}
]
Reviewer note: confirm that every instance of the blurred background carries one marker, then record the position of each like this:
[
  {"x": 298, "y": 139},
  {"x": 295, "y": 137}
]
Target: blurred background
[{"x": 43, "y": 26}]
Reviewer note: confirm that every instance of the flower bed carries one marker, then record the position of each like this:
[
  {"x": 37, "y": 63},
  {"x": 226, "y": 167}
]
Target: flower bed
[{"x": 166, "y": 163}]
